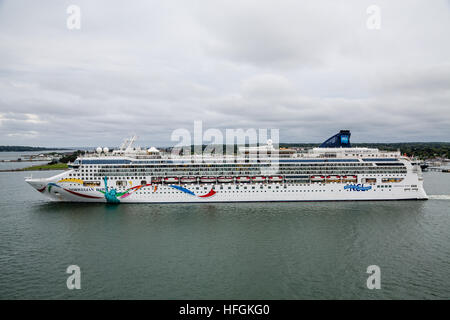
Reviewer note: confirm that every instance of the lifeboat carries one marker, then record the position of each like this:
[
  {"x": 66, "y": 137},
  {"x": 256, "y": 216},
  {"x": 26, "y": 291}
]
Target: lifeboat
[
  {"x": 333, "y": 178},
  {"x": 171, "y": 180},
  {"x": 243, "y": 179},
  {"x": 207, "y": 179},
  {"x": 188, "y": 180},
  {"x": 258, "y": 179},
  {"x": 225, "y": 179},
  {"x": 317, "y": 178},
  {"x": 275, "y": 179},
  {"x": 156, "y": 180},
  {"x": 349, "y": 178}
]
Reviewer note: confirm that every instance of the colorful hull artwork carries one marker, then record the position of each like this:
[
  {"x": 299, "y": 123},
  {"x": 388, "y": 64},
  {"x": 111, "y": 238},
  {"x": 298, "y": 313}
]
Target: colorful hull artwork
[
  {"x": 72, "y": 180},
  {"x": 209, "y": 194},
  {"x": 113, "y": 196},
  {"x": 51, "y": 185}
]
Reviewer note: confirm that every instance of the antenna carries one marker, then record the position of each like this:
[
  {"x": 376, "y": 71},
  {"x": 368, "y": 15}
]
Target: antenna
[{"x": 124, "y": 143}]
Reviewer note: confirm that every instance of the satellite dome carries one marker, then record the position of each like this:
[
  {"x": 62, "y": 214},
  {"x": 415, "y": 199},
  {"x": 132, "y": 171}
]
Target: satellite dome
[
  {"x": 105, "y": 149},
  {"x": 99, "y": 149},
  {"x": 152, "y": 149}
]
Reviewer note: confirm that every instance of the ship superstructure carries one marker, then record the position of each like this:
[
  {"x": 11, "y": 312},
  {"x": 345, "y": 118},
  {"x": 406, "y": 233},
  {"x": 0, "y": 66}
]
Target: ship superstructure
[{"x": 334, "y": 171}]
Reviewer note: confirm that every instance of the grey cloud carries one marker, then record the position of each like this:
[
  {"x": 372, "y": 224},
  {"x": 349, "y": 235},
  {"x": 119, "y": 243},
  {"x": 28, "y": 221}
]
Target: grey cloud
[{"x": 308, "y": 68}]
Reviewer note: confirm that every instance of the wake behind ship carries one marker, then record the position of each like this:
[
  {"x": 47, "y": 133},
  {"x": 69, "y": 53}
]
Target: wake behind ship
[{"x": 332, "y": 172}]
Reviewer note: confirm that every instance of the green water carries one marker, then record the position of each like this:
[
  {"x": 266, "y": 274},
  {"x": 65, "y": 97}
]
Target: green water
[{"x": 224, "y": 251}]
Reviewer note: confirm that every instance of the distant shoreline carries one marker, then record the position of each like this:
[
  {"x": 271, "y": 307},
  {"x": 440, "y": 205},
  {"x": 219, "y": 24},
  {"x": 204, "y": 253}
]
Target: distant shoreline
[
  {"x": 28, "y": 149},
  {"x": 44, "y": 167},
  {"x": 420, "y": 150}
]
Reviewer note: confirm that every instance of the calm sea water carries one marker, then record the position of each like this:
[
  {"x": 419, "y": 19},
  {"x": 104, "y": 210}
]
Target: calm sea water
[{"x": 224, "y": 251}]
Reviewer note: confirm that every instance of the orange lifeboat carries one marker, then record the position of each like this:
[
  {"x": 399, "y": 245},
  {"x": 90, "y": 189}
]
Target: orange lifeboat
[
  {"x": 188, "y": 180},
  {"x": 156, "y": 180},
  {"x": 333, "y": 178},
  {"x": 317, "y": 178},
  {"x": 275, "y": 179},
  {"x": 207, "y": 179},
  {"x": 258, "y": 179},
  {"x": 243, "y": 179},
  {"x": 171, "y": 180}
]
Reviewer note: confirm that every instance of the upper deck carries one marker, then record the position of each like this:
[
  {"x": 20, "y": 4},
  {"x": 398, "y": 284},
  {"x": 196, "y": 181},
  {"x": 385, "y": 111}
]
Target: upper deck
[{"x": 328, "y": 152}]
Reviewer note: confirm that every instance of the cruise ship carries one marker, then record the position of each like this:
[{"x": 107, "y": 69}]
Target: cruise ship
[{"x": 334, "y": 171}]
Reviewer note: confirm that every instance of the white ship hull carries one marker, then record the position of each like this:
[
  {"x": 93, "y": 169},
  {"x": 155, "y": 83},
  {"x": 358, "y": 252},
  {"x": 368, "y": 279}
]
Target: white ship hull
[
  {"x": 248, "y": 192},
  {"x": 332, "y": 172}
]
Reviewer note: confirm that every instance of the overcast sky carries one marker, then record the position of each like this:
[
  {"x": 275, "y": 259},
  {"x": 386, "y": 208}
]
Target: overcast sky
[{"x": 308, "y": 68}]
